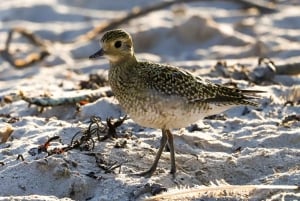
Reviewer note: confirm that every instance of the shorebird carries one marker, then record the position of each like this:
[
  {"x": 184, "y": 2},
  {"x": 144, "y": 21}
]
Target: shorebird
[{"x": 163, "y": 96}]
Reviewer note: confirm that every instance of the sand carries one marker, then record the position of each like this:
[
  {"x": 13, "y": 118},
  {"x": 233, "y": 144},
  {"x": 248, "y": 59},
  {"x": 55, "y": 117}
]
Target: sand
[{"x": 241, "y": 147}]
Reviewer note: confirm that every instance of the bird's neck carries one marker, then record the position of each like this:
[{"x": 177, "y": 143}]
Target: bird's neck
[
  {"x": 124, "y": 61},
  {"x": 122, "y": 71}
]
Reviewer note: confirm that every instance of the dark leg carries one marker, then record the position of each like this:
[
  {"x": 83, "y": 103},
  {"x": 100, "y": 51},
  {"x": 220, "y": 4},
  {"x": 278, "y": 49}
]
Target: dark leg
[
  {"x": 163, "y": 143},
  {"x": 172, "y": 151}
]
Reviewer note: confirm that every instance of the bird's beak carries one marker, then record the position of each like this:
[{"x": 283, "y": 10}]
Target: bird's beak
[{"x": 97, "y": 54}]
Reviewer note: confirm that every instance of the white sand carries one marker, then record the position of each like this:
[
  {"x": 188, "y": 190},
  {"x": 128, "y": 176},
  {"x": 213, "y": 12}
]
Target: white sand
[{"x": 205, "y": 33}]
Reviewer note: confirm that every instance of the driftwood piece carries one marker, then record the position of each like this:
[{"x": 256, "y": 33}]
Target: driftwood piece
[
  {"x": 88, "y": 96},
  {"x": 30, "y": 58}
]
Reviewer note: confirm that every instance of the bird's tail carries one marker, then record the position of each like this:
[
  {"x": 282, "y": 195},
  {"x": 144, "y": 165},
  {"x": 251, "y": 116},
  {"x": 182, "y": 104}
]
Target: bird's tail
[{"x": 248, "y": 96}]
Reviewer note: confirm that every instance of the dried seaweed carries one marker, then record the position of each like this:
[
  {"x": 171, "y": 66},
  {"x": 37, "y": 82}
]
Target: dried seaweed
[
  {"x": 289, "y": 120},
  {"x": 107, "y": 166},
  {"x": 44, "y": 148},
  {"x": 112, "y": 125},
  {"x": 84, "y": 140},
  {"x": 95, "y": 81},
  {"x": 152, "y": 188}
]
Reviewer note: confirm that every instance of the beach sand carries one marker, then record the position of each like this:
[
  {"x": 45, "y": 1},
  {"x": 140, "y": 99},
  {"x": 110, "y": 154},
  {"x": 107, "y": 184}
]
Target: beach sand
[{"x": 240, "y": 147}]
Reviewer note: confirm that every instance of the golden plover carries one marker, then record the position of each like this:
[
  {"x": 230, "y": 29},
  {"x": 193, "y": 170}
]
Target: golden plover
[{"x": 162, "y": 96}]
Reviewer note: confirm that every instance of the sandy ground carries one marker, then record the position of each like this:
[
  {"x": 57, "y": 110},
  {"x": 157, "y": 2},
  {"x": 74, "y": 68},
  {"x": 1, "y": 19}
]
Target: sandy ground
[{"x": 243, "y": 146}]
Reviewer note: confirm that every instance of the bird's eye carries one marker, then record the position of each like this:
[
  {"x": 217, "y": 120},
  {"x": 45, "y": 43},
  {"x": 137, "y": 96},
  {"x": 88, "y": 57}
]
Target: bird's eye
[{"x": 118, "y": 44}]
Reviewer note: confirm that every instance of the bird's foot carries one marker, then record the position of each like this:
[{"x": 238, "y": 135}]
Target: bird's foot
[
  {"x": 147, "y": 173},
  {"x": 173, "y": 171}
]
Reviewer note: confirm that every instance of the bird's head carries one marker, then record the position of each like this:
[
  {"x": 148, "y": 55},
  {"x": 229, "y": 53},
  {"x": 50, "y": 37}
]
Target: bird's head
[{"x": 116, "y": 45}]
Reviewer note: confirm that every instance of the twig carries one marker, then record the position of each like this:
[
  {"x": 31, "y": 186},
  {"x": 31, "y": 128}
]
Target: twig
[
  {"x": 134, "y": 13},
  {"x": 30, "y": 58}
]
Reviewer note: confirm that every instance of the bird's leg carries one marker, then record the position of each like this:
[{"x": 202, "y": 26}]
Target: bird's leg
[
  {"x": 172, "y": 151},
  {"x": 163, "y": 143}
]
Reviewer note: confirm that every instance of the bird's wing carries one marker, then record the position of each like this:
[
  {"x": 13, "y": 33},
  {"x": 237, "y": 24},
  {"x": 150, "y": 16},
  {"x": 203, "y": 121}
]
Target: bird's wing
[{"x": 169, "y": 80}]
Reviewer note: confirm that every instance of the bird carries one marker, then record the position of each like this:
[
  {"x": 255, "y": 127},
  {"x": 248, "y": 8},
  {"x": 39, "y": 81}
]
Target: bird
[{"x": 163, "y": 96}]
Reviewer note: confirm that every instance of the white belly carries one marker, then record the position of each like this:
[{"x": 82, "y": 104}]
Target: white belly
[{"x": 168, "y": 111}]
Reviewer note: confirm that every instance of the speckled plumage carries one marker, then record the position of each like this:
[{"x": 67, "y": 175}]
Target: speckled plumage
[{"x": 162, "y": 96}]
